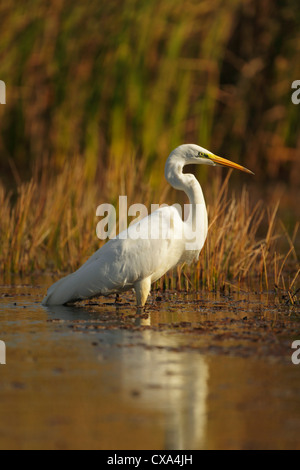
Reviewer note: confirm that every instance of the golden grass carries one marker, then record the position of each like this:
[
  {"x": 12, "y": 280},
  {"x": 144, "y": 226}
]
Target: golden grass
[
  {"x": 235, "y": 253},
  {"x": 50, "y": 224}
]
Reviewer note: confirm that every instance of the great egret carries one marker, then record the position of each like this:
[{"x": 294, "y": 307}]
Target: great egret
[{"x": 128, "y": 261}]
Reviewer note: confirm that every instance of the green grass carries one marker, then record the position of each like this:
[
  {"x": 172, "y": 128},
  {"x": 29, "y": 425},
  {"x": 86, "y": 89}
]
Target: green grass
[{"x": 120, "y": 79}]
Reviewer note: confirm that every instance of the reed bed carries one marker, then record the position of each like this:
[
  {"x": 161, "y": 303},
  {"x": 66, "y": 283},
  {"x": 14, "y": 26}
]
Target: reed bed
[
  {"x": 129, "y": 77},
  {"x": 118, "y": 84},
  {"x": 50, "y": 225},
  {"x": 236, "y": 254}
]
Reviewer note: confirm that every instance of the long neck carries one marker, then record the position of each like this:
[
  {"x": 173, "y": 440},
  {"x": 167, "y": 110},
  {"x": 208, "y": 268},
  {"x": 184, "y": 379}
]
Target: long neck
[{"x": 185, "y": 182}]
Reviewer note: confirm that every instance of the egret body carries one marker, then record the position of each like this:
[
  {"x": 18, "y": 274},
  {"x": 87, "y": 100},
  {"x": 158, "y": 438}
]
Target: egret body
[{"x": 164, "y": 241}]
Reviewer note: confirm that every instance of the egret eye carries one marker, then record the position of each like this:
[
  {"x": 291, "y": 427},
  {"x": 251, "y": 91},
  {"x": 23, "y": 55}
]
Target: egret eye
[{"x": 202, "y": 154}]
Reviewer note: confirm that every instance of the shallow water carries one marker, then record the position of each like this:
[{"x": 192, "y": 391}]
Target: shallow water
[{"x": 196, "y": 371}]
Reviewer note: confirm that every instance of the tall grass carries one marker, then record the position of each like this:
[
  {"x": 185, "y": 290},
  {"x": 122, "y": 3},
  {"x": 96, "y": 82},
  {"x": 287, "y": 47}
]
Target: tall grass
[
  {"x": 237, "y": 251},
  {"x": 51, "y": 225},
  {"x": 100, "y": 92},
  {"x": 130, "y": 77}
]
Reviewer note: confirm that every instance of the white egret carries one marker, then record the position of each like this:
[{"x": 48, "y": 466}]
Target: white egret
[{"x": 127, "y": 261}]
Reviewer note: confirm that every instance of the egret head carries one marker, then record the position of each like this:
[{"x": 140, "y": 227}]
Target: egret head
[{"x": 191, "y": 154}]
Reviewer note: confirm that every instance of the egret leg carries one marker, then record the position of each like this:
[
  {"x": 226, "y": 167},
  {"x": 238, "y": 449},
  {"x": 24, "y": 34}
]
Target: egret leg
[{"x": 142, "y": 289}]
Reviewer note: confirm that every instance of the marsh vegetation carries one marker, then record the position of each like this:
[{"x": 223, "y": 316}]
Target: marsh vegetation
[{"x": 98, "y": 96}]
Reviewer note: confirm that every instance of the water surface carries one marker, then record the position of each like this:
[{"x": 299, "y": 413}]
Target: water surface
[{"x": 195, "y": 371}]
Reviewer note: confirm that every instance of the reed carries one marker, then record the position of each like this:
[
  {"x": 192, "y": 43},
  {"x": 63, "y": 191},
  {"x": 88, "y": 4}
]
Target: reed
[
  {"x": 124, "y": 78},
  {"x": 118, "y": 84},
  {"x": 50, "y": 224},
  {"x": 236, "y": 253}
]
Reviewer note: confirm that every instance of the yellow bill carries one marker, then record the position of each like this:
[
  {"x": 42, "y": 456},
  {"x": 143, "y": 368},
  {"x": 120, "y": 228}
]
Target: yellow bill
[{"x": 224, "y": 162}]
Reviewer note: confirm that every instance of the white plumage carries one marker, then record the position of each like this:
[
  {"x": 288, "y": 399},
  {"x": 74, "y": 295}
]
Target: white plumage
[{"x": 151, "y": 247}]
